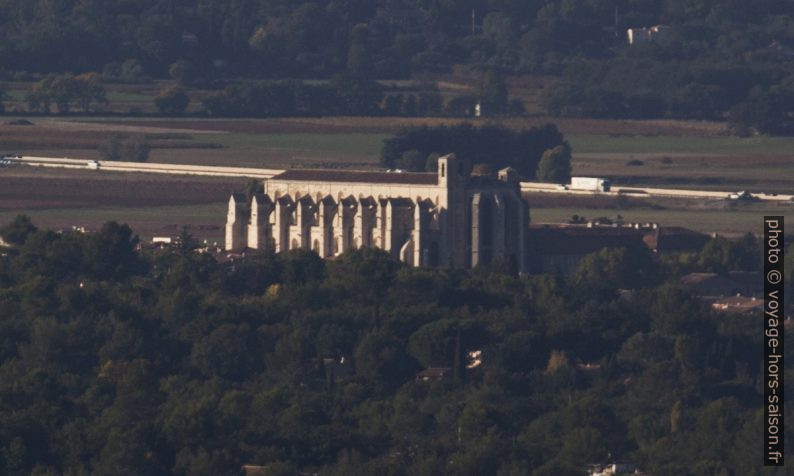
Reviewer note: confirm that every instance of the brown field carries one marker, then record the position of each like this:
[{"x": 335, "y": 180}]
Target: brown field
[
  {"x": 151, "y": 204},
  {"x": 26, "y": 188}
]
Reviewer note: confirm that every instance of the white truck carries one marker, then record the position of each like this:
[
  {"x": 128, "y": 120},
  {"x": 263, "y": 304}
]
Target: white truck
[{"x": 594, "y": 184}]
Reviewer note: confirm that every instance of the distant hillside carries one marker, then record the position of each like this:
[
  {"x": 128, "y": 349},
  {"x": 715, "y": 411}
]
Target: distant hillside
[
  {"x": 385, "y": 38},
  {"x": 707, "y": 58}
]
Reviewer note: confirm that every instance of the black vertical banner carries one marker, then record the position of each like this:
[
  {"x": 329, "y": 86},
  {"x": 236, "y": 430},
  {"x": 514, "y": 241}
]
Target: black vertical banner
[{"x": 773, "y": 340}]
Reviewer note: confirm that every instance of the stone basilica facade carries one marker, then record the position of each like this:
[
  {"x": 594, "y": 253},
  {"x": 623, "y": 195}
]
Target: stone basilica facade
[{"x": 445, "y": 219}]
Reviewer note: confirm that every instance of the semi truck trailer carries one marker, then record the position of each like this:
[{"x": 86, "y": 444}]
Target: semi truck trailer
[{"x": 595, "y": 184}]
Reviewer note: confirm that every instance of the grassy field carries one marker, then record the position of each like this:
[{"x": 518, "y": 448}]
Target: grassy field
[
  {"x": 127, "y": 97},
  {"x": 643, "y": 144},
  {"x": 757, "y": 164}
]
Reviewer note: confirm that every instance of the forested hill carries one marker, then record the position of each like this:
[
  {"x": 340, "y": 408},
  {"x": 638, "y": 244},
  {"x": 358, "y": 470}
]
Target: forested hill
[
  {"x": 384, "y": 38},
  {"x": 168, "y": 362}
]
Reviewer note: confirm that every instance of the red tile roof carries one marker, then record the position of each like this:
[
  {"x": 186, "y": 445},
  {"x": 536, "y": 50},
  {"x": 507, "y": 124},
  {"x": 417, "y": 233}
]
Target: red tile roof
[
  {"x": 580, "y": 240},
  {"x": 674, "y": 238},
  {"x": 316, "y": 175},
  {"x": 433, "y": 372}
]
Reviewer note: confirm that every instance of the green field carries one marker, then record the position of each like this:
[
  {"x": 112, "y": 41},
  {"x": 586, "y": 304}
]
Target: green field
[
  {"x": 119, "y": 96},
  {"x": 613, "y": 143},
  {"x": 17, "y": 94}
]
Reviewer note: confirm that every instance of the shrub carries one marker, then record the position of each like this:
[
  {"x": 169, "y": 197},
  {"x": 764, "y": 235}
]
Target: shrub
[
  {"x": 172, "y": 100},
  {"x": 130, "y": 149}
]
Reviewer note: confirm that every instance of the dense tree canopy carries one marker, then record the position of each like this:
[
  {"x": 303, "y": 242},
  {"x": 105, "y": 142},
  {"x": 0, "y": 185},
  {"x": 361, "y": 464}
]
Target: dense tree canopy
[
  {"x": 416, "y": 148},
  {"x": 555, "y": 165},
  {"x": 386, "y": 38},
  {"x": 718, "y": 59},
  {"x": 114, "y": 361}
]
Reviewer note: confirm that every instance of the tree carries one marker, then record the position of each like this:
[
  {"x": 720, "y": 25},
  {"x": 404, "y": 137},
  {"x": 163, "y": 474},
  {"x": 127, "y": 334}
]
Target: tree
[
  {"x": 614, "y": 268},
  {"x": 3, "y": 97},
  {"x": 172, "y": 100},
  {"x": 110, "y": 148},
  {"x": 495, "y": 145},
  {"x": 84, "y": 90},
  {"x": 131, "y": 149},
  {"x": 18, "y": 230},
  {"x": 89, "y": 90},
  {"x": 135, "y": 148},
  {"x": 40, "y": 97},
  {"x": 555, "y": 165},
  {"x": 131, "y": 70},
  {"x": 493, "y": 94},
  {"x": 110, "y": 253},
  {"x": 359, "y": 61},
  {"x": 412, "y": 160},
  {"x": 721, "y": 255},
  {"x": 182, "y": 71}
]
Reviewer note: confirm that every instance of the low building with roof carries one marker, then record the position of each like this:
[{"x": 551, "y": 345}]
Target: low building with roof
[
  {"x": 709, "y": 284},
  {"x": 559, "y": 248},
  {"x": 713, "y": 285},
  {"x": 739, "y": 305},
  {"x": 433, "y": 373},
  {"x": 674, "y": 239},
  {"x": 651, "y": 34}
]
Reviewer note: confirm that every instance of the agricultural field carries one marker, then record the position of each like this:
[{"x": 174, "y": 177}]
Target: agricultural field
[
  {"x": 725, "y": 217},
  {"x": 662, "y": 153},
  {"x": 153, "y": 205},
  {"x": 654, "y": 153}
]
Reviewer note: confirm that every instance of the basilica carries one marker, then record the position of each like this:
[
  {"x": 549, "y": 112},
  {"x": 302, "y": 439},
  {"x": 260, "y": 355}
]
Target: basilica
[{"x": 449, "y": 218}]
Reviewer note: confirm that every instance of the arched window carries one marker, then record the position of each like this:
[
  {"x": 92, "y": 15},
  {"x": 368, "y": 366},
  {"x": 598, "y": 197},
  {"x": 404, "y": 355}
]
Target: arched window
[{"x": 442, "y": 170}]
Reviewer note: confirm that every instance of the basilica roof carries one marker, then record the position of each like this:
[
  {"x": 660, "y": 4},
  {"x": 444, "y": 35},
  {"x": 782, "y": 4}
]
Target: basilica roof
[{"x": 317, "y": 175}]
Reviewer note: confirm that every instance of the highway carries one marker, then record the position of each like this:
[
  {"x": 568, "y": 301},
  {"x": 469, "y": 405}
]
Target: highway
[
  {"x": 648, "y": 192},
  {"x": 113, "y": 166},
  {"x": 205, "y": 170}
]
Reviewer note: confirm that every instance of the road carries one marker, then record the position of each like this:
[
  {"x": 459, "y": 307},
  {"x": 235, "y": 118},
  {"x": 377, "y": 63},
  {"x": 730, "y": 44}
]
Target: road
[
  {"x": 648, "y": 192},
  {"x": 113, "y": 166},
  {"x": 176, "y": 169}
]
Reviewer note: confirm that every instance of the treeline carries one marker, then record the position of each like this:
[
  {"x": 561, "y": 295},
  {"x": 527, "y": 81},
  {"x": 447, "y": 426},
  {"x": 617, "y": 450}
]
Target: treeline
[
  {"x": 114, "y": 361},
  {"x": 340, "y": 96},
  {"x": 417, "y": 148},
  {"x": 356, "y": 96},
  {"x": 381, "y": 38},
  {"x": 344, "y": 95},
  {"x": 756, "y": 97},
  {"x": 717, "y": 59},
  {"x": 65, "y": 92}
]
